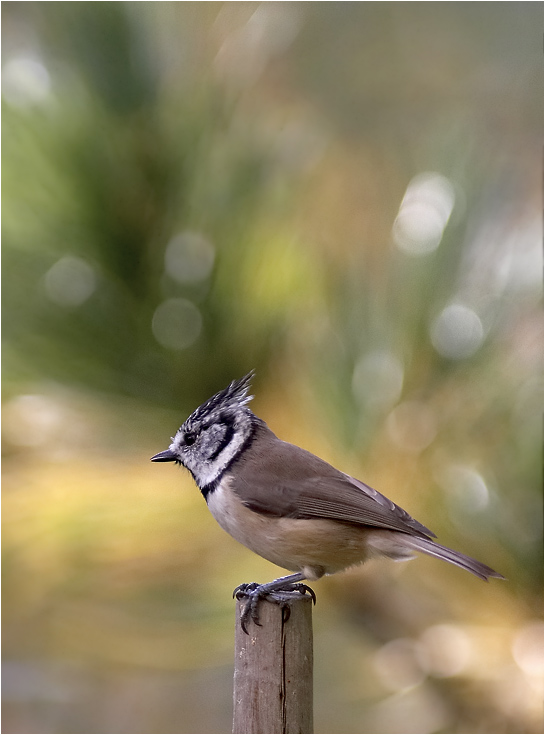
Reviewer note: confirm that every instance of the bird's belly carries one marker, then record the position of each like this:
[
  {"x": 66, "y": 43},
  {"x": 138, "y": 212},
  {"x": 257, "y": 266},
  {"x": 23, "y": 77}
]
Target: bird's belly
[{"x": 314, "y": 547}]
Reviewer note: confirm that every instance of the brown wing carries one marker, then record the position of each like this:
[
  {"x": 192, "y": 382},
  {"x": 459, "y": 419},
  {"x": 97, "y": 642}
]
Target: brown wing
[{"x": 279, "y": 479}]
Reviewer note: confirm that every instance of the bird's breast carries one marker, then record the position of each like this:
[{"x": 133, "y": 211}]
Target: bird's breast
[
  {"x": 313, "y": 546},
  {"x": 249, "y": 528}
]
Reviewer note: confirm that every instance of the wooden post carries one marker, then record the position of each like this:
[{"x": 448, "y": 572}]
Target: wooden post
[{"x": 273, "y": 669}]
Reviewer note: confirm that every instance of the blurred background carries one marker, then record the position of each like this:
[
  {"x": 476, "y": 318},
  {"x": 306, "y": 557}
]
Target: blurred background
[{"x": 346, "y": 197}]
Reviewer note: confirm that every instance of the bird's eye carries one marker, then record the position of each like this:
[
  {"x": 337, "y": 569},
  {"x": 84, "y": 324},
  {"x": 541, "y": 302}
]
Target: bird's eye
[{"x": 189, "y": 438}]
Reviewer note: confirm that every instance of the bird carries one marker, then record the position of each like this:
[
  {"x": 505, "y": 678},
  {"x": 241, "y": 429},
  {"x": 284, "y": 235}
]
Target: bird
[{"x": 288, "y": 505}]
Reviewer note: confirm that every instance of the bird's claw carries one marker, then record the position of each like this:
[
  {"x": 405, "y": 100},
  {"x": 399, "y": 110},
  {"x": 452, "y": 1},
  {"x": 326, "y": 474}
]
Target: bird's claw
[
  {"x": 253, "y": 592},
  {"x": 305, "y": 589}
]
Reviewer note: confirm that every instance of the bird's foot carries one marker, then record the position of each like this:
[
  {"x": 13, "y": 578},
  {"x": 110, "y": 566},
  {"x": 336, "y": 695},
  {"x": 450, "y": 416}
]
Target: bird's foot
[{"x": 253, "y": 592}]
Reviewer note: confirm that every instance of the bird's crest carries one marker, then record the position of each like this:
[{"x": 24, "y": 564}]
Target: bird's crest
[{"x": 229, "y": 400}]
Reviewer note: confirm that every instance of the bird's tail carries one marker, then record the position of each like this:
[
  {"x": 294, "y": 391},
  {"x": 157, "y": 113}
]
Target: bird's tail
[{"x": 426, "y": 546}]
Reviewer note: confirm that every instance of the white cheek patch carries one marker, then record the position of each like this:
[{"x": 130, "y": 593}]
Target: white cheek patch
[
  {"x": 210, "y": 471},
  {"x": 207, "y": 475}
]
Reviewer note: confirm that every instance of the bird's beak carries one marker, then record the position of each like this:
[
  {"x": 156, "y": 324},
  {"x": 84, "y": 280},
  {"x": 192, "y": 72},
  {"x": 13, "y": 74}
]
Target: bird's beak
[{"x": 166, "y": 456}]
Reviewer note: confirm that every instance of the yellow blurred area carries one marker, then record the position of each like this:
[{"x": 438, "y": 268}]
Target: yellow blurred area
[{"x": 117, "y": 529}]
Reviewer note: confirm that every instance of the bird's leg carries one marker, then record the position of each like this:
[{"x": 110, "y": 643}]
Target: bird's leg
[{"x": 280, "y": 590}]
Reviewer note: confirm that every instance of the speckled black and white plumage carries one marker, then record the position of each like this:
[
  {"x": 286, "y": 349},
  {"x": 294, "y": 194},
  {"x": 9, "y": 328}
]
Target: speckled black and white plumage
[{"x": 215, "y": 434}]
